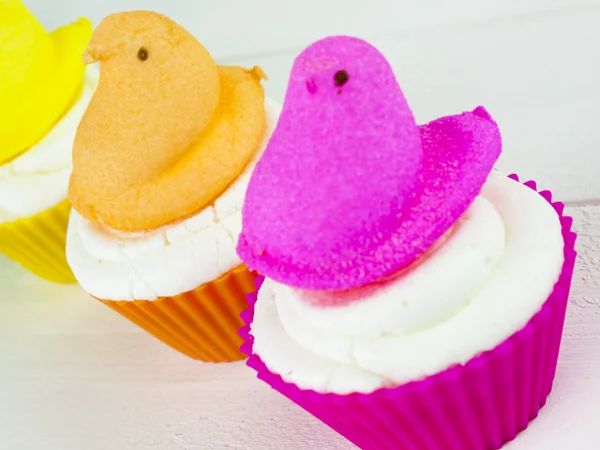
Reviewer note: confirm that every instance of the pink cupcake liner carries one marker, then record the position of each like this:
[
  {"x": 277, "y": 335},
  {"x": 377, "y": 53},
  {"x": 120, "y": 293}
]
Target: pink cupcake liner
[{"x": 477, "y": 406}]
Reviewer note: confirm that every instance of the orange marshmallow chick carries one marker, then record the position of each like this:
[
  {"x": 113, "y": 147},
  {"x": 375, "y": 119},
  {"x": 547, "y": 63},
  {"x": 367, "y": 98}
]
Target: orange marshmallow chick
[{"x": 167, "y": 130}]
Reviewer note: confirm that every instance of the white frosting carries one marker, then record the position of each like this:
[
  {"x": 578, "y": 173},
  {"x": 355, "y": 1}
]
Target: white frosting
[
  {"x": 170, "y": 260},
  {"x": 480, "y": 286},
  {"x": 39, "y": 178}
]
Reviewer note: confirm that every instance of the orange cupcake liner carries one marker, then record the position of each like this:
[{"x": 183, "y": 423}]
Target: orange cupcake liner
[
  {"x": 201, "y": 323},
  {"x": 37, "y": 243}
]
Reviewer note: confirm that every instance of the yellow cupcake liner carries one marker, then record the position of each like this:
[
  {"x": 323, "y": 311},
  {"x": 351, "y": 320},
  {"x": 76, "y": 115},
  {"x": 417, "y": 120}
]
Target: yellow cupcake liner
[
  {"x": 202, "y": 323},
  {"x": 38, "y": 243}
]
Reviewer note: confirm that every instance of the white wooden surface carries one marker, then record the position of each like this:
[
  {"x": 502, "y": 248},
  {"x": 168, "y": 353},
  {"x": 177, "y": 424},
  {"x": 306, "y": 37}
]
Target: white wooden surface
[{"x": 76, "y": 376}]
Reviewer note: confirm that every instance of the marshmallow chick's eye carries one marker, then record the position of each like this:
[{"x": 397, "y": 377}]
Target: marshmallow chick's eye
[
  {"x": 341, "y": 78},
  {"x": 142, "y": 54}
]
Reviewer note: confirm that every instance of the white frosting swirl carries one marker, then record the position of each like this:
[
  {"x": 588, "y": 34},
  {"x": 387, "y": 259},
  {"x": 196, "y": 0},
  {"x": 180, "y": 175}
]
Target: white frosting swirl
[
  {"x": 488, "y": 277},
  {"x": 170, "y": 260},
  {"x": 39, "y": 178}
]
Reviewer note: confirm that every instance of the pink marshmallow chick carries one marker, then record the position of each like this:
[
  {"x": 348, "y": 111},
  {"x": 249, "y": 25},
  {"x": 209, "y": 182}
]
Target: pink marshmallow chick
[{"x": 349, "y": 189}]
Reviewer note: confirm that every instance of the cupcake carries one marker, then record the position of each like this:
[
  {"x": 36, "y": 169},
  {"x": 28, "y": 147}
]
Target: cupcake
[
  {"x": 44, "y": 90},
  {"x": 161, "y": 161},
  {"x": 414, "y": 297}
]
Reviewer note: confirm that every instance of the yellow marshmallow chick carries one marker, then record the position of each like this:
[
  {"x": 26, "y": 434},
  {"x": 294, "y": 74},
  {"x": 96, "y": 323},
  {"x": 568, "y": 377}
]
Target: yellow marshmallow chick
[
  {"x": 40, "y": 75},
  {"x": 44, "y": 90}
]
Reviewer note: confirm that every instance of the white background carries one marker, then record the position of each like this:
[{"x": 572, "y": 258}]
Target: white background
[{"x": 76, "y": 376}]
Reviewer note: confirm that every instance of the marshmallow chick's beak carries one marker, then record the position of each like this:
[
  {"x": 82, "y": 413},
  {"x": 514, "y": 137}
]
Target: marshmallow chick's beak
[{"x": 89, "y": 57}]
